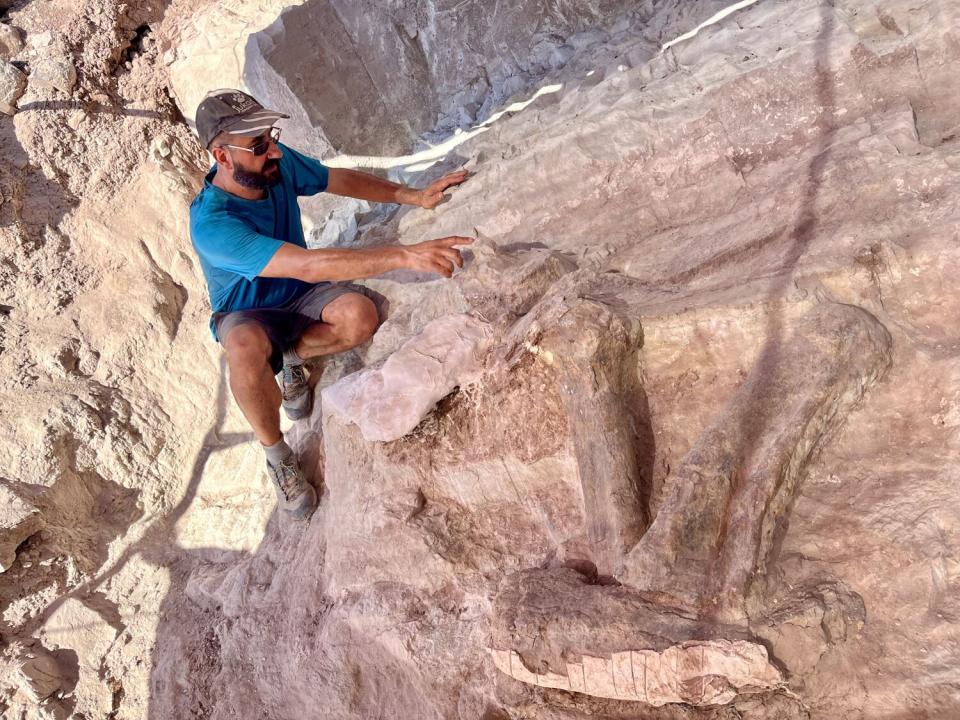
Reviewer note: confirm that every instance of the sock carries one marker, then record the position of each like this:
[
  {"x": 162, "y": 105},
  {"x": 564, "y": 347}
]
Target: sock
[
  {"x": 290, "y": 357},
  {"x": 278, "y": 452}
]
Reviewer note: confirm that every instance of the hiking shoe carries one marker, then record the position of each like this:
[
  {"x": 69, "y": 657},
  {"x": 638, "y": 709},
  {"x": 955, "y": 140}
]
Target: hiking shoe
[
  {"x": 294, "y": 494},
  {"x": 297, "y": 397}
]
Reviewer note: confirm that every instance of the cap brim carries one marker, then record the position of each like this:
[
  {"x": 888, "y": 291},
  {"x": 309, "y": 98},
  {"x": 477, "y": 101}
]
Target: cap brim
[{"x": 255, "y": 123}]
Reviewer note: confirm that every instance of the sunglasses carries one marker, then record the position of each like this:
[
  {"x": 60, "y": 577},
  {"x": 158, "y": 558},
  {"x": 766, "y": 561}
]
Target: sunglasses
[{"x": 263, "y": 145}]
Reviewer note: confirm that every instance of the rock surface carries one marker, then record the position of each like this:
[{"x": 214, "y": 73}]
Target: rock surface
[
  {"x": 18, "y": 521},
  {"x": 390, "y": 401},
  {"x": 53, "y": 72},
  {"x": 10, "y": 42},
  {"x": 12, "y": 84},
  {"x": 714, "y": 428}
]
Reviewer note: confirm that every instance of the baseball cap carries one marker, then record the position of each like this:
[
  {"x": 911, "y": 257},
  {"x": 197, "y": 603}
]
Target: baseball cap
[{"x": 234, "y": 112}]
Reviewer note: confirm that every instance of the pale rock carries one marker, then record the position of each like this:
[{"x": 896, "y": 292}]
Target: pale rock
[
  {"x": 160, "y": 148},
  {"x": 13, "y": 83},
  {"x": 18, "y": 521},
  {"x": 40, "y": 39},
  {"x": 696, "y": 673},
  {"x": 54, "y": 72},
  {"x": 76, "y": 119},
  {"x": 390, "y": 401},
  {"x": 11, "y": 43},
  {"x": 78, "y": 626},
  {"x": 210, "y": 49}
]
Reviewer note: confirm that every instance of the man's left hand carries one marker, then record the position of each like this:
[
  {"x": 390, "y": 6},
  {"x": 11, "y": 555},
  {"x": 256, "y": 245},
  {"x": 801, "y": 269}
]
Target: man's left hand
[{"x": 432, "y": 195}]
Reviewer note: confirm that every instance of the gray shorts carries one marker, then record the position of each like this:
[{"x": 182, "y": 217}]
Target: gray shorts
[{"x": 285, "y": 324}]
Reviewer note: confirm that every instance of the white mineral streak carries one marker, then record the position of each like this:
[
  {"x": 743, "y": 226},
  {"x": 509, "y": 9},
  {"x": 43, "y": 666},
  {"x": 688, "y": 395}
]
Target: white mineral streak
[
  {"x": 390, "y": 401},
  {"x": 423, "y": 159},
  {"x": 707, "y": 23},
  {"x": 697, "y": 673}
]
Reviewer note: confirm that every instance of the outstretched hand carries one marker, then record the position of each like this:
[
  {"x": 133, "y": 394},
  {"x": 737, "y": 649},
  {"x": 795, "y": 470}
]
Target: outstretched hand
[
  {"x": 439, "y": 256},
  {"x": 432, "y": 195}
]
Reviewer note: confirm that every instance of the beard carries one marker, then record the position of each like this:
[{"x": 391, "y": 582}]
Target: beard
[{"x": 266, "y": 178}]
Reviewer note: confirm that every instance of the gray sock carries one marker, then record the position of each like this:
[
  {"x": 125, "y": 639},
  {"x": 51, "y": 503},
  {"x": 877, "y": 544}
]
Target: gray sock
[
  {"x": 290, "y": 357},
  {"x": 278, "y": 452}
]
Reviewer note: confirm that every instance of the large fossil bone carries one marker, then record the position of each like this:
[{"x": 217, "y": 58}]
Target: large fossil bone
[
  {"x": 730, "y": 496},
  {"x": 693, "y": 567}
]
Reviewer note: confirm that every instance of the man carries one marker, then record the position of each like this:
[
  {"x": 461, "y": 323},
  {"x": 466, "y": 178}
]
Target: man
[{"x": 275, "y": 302}]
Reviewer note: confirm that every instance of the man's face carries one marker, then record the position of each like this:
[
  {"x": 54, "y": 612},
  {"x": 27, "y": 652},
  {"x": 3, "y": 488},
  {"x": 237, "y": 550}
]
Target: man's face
[{"x": 257, "y": 172}]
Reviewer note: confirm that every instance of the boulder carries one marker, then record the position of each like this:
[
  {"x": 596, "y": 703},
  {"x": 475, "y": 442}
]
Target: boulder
[
  {"x": 10, "y": 41},
  {"x": 12, "y": 84},
  {"x": 53, "y": 72}
]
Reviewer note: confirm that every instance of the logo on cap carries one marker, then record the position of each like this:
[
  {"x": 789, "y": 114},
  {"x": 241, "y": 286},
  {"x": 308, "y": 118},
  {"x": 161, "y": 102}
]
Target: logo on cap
[{"x": 240, "y": 102}]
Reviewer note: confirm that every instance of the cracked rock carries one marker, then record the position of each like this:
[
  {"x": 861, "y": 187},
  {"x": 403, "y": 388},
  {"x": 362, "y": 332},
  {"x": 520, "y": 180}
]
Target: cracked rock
[
  {"x": 18, "y": 521},
  {"x": 12, "y": 84},
  {"x": 10, "y": 41},
  {"x": 54, "y": 73}
]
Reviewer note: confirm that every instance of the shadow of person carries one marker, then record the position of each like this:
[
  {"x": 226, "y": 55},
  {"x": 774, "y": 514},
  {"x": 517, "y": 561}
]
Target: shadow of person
[{"x": 154, "y": 547}]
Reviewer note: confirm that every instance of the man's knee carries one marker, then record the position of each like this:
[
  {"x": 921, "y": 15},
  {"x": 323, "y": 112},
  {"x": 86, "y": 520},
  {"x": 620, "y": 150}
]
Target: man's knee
[
  {"x": 355, "y": 317},
  {"x": 247, "y": 347}
]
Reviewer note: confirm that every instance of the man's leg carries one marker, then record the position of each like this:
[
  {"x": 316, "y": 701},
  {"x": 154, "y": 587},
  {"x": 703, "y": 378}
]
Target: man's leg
[
  {"x": 251, "y": 380},
  {"x": 248, "y": 351},
  {"x": 345, "y": 322}
]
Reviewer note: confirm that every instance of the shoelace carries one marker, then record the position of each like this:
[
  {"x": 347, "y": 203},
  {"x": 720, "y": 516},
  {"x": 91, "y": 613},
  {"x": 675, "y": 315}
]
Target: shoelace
[
  {"x": 294, "y": 380},
  {"x": 286, "y": 476}
]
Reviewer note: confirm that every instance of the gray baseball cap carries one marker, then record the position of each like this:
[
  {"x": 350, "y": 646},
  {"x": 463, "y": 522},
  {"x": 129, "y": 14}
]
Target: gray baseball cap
[{"x": 234, "y": 112}]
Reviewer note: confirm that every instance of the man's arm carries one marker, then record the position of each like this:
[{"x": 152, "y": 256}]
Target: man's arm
[
  {"x": 332, "y": 264},
  {"x": 362, "y": 186}
]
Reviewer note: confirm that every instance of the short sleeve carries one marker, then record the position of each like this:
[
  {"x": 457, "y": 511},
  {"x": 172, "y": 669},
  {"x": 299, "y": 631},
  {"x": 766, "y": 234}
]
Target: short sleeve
[
  {"x": 233, "y": 245},
  {"x": 309, "y": 176}
]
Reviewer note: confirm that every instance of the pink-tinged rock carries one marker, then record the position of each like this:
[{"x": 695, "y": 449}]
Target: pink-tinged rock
[
  {"x": 623, "y": 676},
  {"x": 390, "y": 401},
  {"x": 697, "y": 673},
  {"x": 598, "y": 675},
  {"x": 553, "y": 680},
  {"x": 662, "y": 676},
  {"x": 577, "y": 678},
  {"x": 519, "y": 671}
]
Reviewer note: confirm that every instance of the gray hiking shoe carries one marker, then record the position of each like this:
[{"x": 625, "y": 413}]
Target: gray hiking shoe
[
  {"x": 294, "y": 494},
  {"x": 297, "y": 396}
]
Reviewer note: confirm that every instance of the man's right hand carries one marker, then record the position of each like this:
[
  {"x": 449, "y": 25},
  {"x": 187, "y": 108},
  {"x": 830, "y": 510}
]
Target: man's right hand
[{"x": 439, "y": 256}]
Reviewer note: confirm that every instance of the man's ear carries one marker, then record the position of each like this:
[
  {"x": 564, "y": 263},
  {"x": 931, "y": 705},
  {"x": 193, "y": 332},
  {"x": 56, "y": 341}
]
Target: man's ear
[{"x": 222, "y": 157}]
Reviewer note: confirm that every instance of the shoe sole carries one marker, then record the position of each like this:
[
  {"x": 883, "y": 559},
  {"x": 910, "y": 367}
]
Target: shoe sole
[{"x": 298, "y": 413}]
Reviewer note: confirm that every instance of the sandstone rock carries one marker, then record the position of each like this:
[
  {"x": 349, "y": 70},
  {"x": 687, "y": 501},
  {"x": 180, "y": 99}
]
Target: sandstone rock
[
  {"x": 684, "y": 251},
  {"x": 76, "y": 119},
  {"x": 40, "y": 677},
  {"x": 796, "y": 391},
  {"x": 404, "y": 101},
  {"x": 12, "y": 85},
  {"x": 628, "y": 649},
  {"x": 54, "y": 72},
  {"x": 76, "y": 625},
  {"x": 18, "y": 521},
  {"x": 10, "y": 41},
  {"x": 389, "y": 402},
  {"x": 696, "y": 673}
]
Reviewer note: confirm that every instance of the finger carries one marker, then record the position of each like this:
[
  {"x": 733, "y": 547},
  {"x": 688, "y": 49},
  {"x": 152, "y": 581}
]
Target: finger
[
  {"x": 442, "y": 268},
  {"x": 454, "y": 240},
  {"x": 453, "y": 178},
  {"x": 453, "y": 256}
]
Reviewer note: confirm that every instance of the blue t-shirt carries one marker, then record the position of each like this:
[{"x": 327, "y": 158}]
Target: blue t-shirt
[{"x": 235, "y": 238}]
